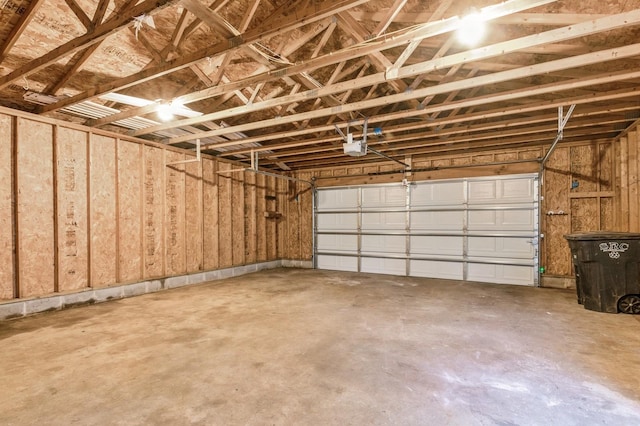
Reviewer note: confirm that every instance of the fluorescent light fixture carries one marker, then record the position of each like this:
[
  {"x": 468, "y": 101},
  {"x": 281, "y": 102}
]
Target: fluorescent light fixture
[{"x": 472, "y": 28}]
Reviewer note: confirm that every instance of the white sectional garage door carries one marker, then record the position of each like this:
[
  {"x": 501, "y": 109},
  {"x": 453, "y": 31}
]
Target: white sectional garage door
[{"x": 476, "y": 229}]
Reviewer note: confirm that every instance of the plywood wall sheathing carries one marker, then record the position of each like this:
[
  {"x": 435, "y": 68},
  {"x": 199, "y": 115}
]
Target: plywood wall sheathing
[
  {"x": 506, "y": 156},
  {"x": 583, "y": 169},
  {"x": 584, "y": 214},
  {"x": 605, "y": 167},
  {"x": 282, "y": 195},
  {"x": 193, "y": 203},
  {"x": 557, "y": 184},
  {"x": 174, "y": 211},
  {"x": 261, "y": 220},
  {"x": 153, "y": 208},
  {"x": 72, "y": 211},
  {"x": 306, "y": 221},
  {"x": 130, "y": 229},
  {"x": 237, "y": 218},
  {"x": 6, "y": 209},
  {"x": 224, "y": 216},
  {"x": 250, "y": 209},
  {"x": 607, "y": 214},
  {"x": 294, "y": 210},
  {"x": 634, "y": 174},
  {"x": 623, "y": 223},
  {"x": 271, "y": 198},
  {"x": 102, "y": 216},
  {"x": 210, "y": 213},
  {"x": 35, "y": 220}
]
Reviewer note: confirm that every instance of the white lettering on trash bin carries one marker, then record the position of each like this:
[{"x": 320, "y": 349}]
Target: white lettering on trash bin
[{"x": 614, "y": 249}]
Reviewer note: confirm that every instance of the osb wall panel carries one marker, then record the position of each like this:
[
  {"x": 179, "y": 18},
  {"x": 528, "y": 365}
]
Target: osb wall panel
[
  {"x": 35, "y": 213},
  {"x": 584, "y": 165},
  {"x": 153, "y": 211},
  {"x": 96, "y": 209},
  {"x": 261, "y": 220},
  {"x": 237, "y": 218},
  {"x": 102, "y": 217},
  {"x": 306, "y": 221},
  {"x": 129, "y": 200},
  {"x": 6, "y": 215},
  {"x": 193, "y": 216},
  {"x": 271, "y": 200},
  {"x": 72, "y": 209},
  {"x": 210, "y": 213},
  {"x": 298, "y": 201},
  {"x": 294, "y": 212},
  {"x": 250, "y": 219},
  {"x": 555, "y": 213},
  {"x": 225, "y": 233},
  {"x": 628, "y": 202},
  {"x": 282, "y": 235},
  {"x": 175, "y": 214}
]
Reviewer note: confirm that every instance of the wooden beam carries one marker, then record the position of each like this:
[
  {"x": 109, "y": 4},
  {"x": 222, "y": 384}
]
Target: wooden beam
[
  {"x": 596, "y": 57},
  {"x": 496, "y": 50},
  {"x": 80, "y": 14},
  {"x": 550, "y": 19},
  {"x": 286, "y": 23},
  {"x": 19, "y": 28},
  {"x": 429, "y": 30},
  {"x": 101, "y": 10},
  {"x": 75, "y": 63},
  {"x": 501, "y": 112},
  {"x": 416, "y": 142},
  {"x": 390, "y": 15},
  {"x": 215, "y": 79},
  {"x": 79, "y": 43}
]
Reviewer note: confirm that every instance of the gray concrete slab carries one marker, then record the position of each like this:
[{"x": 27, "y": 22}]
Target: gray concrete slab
[{"x": 309, "y": 347}]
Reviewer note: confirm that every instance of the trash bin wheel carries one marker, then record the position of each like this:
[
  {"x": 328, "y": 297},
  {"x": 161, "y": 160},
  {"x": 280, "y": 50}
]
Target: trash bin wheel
[{"x": 629, "y": 304}]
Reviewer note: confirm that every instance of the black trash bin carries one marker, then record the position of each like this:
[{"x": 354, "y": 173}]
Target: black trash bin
[{"x": 607, "y": 270}]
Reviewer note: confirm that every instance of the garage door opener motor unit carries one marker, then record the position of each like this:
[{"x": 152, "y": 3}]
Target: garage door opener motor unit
[{"x": 351, "y": 146}]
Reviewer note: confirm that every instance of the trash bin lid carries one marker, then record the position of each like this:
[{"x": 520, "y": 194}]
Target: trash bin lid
[{"x": 603, "y": 235}]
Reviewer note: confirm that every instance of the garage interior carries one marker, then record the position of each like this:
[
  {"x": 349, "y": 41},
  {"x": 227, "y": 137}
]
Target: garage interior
[{"x": 329, "y": 212}]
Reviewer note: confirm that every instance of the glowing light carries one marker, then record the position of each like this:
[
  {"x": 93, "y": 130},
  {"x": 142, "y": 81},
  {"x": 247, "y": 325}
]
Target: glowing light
[
  {"x": 165, "y": 112},
  {"x": 472, "y": 29}
]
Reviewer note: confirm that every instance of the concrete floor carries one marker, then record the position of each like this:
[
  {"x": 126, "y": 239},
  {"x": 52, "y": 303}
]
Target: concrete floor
[{"x": 318, "y": 348}]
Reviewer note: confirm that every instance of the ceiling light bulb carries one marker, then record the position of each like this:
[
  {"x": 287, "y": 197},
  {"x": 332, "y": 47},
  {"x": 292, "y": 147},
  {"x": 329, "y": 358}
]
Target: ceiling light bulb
[
  {"x": 165, "y": 112},
  {"x": 472, "y": 28}
]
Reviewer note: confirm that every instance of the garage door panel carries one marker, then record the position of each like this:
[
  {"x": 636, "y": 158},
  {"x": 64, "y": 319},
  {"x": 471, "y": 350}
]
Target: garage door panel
[
  {"x": 501, "y": 220},
  {"x": 437, "y": 193},
  {"x": 482, "y": 192},
  {"x": 384, "y": 196},
  {"x": 338, "y": 242},
  {"x": 500, "y": 274},
  {"x": 517, "y": 190},
  {"x": 436, "y": 269},
  {"x": 520, "y": 219},
  {"x": 395, "y": 244},
  {"x": 337, "y": 263},
  {"x": 502, "y": 191},
  {"x": 501, "y": 247},
  {"x": 384, "y": 266},
  {"x": 382, "y": 221},
  {"x": 343, "y": 198},
  {"x": 437, "y": 221},
  {"x": 437, "y": 245},
  {"x": 338, "y": 221},
  {"x": 479, "y": 229}
]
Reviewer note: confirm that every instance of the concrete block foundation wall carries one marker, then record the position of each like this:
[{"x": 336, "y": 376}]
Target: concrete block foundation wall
[{"x": 20, "y": 308}]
